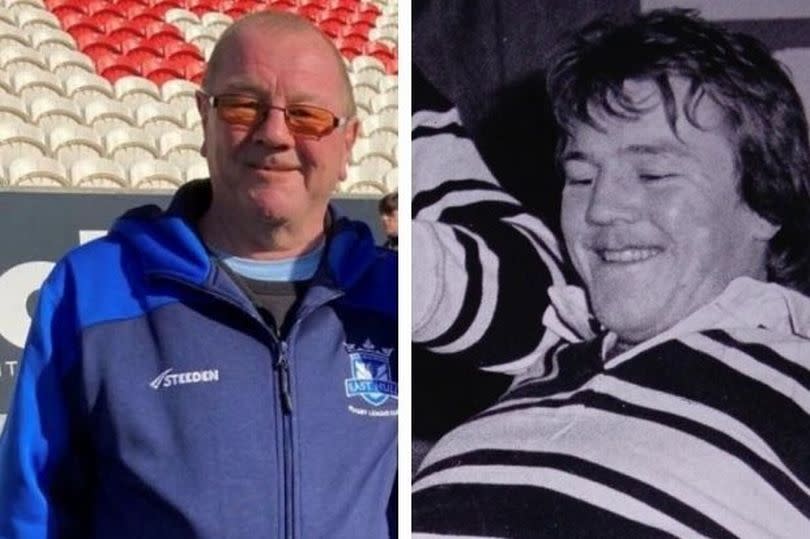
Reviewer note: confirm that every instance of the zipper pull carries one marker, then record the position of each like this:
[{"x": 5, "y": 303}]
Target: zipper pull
[{"x": 284, "y": 377}]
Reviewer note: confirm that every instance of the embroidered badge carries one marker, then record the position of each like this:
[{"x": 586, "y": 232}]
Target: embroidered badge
[{"x": 371, "y": 374}]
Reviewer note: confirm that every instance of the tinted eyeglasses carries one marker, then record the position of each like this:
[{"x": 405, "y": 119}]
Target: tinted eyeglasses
[{"x": 248, "y": 111}]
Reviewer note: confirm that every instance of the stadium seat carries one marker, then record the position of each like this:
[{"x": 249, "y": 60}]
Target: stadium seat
[
  {"x": 142, "y": 53},
  {"x": 87, "y": 87},
  {"x": 158, "y": 118},
  {"x": 388, "y": 83},
  {"x": 153, "y": 174},
  {"x": 127, "y": 145},
  {"x": 69, "y": 144},
  {"x": 383, "y": 140},
  {"x": 30, "y": 19},
  {"x": 360, "y": 149},
  {"x": 363, "y": 94},
  {"x": 391, "y": 180},
  {"x": 50, "y": 41},
  {"x": 383, "y": 101},
  {"x": 11, "y": 36},
  {"x": 131, "y": 8},
  {"x": 161, "y": 71},
  {"x": 181, "y": 147},
  {"x": 374, "y": 166},
  {"x": 179, "y": 93},
  {"x": 5, "y": 82},
  {"x": 385, "y": 35},
  {"x": 49, "y": 112},
  {"x": 65, "y": 63},
  {"x": 182, "y": 18},
  {"x": 18, "y": 139},
  {"x": 104, "y": 115},
  {"x": 14, "y": 58},
  {"x": 108, "y": 19},
  {"x": 37, "y": 171},
  {"x": 95, "y": 173},
  {"x": 215, "y": 19},
  {"x": 201, "y": 37},
  {"x": 370, "y": 77},
  {"x": 179, "y": 50},
  {"x": 114, "y": 68},
  {"x": 135, "y": 91},
  {"x": 367, "y": 62},
  {"x": 29, "y": 84},
  {"x": 331, "y": 27},
  {"x": 364, "y": 187},
  {"x": 193, "y": 119},
  {"x": 12, "y": 109},
  {"x": 199, "y": 169}
]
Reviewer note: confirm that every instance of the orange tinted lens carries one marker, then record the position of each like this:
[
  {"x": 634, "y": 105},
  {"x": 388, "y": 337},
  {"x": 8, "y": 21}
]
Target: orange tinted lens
[
  {"x": 239, "y": 110},
  {"x": 309, "y": 120}
]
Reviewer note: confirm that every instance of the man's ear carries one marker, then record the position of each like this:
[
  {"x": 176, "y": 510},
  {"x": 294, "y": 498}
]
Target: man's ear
[
  {"x": 763, "y": 229},
  {"x": 349, "y": 135}
]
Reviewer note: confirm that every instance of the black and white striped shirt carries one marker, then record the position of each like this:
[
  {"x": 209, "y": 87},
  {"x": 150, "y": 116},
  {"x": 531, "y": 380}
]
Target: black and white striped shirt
[{"x": 703, "y": 431}]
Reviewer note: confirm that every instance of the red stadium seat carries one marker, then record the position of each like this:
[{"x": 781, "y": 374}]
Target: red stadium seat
[
  {"x": 131, "y": 8},
  {"x": 177, "y": 50},
  {"x": 360, "y": 27},
  {"x": 107, "y": 19},
  {"x": 162, "y": 73},
  {"x": 350, "y": 52},
  {"x": 331, "y": 27},
  {"x": 142, "y": 53},
  {"x": 342, "y": 14},
  {"x": 312, "y": 12},
  {"x": 351, "y": 5},
  {"x": 352, "y": 41},
  {"x": 101, "y": 47},
  {"x": 115, "y": 68},
  {"x": 66, "y": 11},
  {"x": 84, "y": 35},
  {"x": 94, "y": 6},
  {"x": 74, "y": 19}
]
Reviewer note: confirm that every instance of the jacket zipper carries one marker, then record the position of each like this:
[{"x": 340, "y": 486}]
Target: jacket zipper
[{"x": 282, "y": 365}]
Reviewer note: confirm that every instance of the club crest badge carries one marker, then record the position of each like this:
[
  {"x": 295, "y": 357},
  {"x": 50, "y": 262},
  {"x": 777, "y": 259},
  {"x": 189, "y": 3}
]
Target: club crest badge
[{"x": 371, "y": 374}]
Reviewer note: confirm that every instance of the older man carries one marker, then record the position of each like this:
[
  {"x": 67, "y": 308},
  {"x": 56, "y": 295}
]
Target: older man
[
  {"x": 685, "y": 410},
  {"x": 226, "y": 368}
]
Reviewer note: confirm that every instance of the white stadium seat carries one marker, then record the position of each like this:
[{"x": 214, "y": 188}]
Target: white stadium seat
[
  {"x": 182, "y": 18},
  {"x": 215, "y": 22},
  {"x": 362, "y": 62},
  {"x": 128, "y": 145},
  {"x": 374, "y": 166},
  {"x": 391, "y": 180},
  {"x": 179, "y": 92},
  {"x": 65, "y": 63},
  {"x": 12, "y": 108},
  {"x": 50, "y": 40},
  {"x": 197, "y": 170},
  {"x": 19, "y": 139},
  {"x": 104, "y": 115},
  {"x": 158, "y": 118},
  {"x": 11, "y": 36},
  {"x": 30, "y": 84},
  {"x": 95, "y": 173},
  {"x": 5, "y": 82},
  {"x": 383, "y": 140},
  {"x": 37, "y": 171},
  {"x": 193, "y": 119},
  {"x": 135, "y": 91},
  {"x": 49, "y": 112},
  {"x": 14, "y": 58},
  {"x": 86, "y": 87},
  {"x": 155, "y": 174},
  {"x": 181, "y": 147},
  {"x": 364, "y": 94},
  {"x": 29, "y": 18},
  {"x": 6, "y": 16},
  {"x": 68, "y": 144}
]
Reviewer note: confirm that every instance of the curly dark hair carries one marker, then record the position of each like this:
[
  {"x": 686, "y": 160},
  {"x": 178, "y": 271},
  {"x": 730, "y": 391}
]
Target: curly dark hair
[{"x": 764, "y": 112}]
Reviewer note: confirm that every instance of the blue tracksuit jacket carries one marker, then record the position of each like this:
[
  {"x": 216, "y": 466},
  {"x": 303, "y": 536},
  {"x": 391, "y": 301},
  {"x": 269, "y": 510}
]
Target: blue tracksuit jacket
[{"x": 153, "y": 401}]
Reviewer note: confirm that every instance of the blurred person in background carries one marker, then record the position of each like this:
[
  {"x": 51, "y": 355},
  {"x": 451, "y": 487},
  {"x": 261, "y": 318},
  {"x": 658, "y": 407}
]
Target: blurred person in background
[{"x": 389, "y": 215}]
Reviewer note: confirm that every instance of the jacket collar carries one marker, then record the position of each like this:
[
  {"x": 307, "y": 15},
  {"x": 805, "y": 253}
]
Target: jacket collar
[{"x": 168, "y": 243}]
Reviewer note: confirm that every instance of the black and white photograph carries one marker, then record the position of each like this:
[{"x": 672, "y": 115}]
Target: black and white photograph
[{"x": 611, "y": 269}]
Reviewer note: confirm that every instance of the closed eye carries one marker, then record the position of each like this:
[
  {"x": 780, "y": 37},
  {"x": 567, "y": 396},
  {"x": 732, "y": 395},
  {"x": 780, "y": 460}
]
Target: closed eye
[{"x": 657, "y": 177}]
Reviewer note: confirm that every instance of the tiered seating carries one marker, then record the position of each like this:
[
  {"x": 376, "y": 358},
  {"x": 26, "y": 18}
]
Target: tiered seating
[{"x": 100, "y": 93}]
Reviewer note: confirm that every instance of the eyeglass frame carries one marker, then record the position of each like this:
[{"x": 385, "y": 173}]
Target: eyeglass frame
[{"x": 337, "y": 121}]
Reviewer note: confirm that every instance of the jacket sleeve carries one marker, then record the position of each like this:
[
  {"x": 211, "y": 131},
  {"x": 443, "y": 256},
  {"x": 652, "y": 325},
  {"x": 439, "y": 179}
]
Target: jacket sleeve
[{"x": 35, "y": 437}]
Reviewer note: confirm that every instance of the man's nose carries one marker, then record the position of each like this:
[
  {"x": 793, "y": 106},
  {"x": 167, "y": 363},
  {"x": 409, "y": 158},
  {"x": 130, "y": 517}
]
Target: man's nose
[
  {"x": 615, "y": 196},
  {"x": 273, "y": 130}
]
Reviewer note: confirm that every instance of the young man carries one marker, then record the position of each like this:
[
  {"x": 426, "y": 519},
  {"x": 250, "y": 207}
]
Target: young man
[
  {"x": 226, "y": 368},
  {"x": 685, "y": 409}
]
